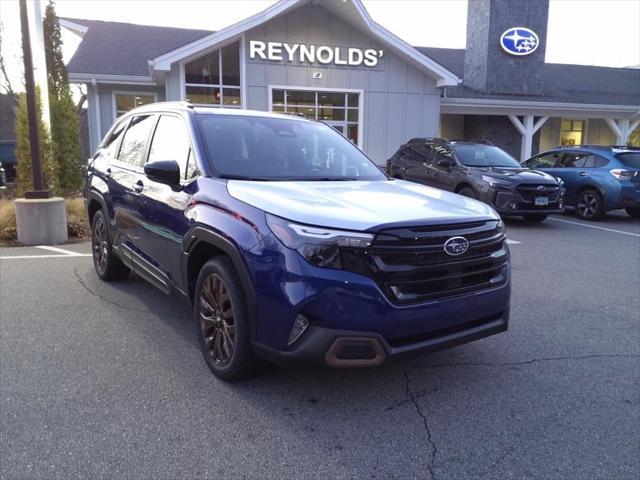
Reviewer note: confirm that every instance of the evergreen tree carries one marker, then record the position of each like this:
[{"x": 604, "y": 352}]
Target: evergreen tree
[
  {"x": 65, "y": 126},
  {"x": 24, "y": 175}
]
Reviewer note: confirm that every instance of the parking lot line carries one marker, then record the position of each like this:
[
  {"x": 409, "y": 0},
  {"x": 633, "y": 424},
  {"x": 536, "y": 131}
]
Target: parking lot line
[
  {"x": 58, "y": 250},
  {"x": 596, "y": 227},
  {"x": 24, "y": 257},
  {"x": 512, "y": 242}
]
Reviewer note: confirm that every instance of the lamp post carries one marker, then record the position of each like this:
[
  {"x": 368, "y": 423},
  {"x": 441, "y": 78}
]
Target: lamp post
[
  {"x": 34, "y": 137},
  {"x": 40, "y": 219}
]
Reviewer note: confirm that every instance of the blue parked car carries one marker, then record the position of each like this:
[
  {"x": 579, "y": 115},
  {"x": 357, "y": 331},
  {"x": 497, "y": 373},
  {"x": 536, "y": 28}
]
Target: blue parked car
[
  {"x": 289, "y": 242},
  {"x": 597, "y": 179}
]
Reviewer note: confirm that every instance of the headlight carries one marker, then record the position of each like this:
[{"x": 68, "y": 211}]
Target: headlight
[
  {"x": 560, "y": 181},
  {"x": 494, "y": 182},
  {"x": 319, "y": 246},
  {"x": 500, "y": 228}
]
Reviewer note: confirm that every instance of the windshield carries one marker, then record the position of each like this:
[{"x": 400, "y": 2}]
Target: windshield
[
  {"x": 631, "y": 160},
  {"x": 259, "y": 148},
  {"x": 484, "y": 156}
]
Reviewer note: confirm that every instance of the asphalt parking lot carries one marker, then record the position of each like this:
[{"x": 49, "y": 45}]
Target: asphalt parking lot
[{"x": 106, "y": 381}]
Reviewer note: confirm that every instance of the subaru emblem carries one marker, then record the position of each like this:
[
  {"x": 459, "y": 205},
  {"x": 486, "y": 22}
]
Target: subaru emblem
[
  {"x": 519, "y": 41},
  {"x": 456, "y": 246}
]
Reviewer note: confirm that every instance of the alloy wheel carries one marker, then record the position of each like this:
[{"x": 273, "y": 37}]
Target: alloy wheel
[
  {"x": 99, "y": 245},
  {"x": 588, "y": 205},
  {"x": 217, "y": 320}
]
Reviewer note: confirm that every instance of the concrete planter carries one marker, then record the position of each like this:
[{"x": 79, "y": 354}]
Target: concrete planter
[{"x": 41, "y": 221}]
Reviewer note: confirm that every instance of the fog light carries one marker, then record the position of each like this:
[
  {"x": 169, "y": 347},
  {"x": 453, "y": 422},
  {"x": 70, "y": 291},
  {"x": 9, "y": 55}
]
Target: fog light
[
  {"x": 513, "y": 205},
  {"x": 299, "y": 327}
]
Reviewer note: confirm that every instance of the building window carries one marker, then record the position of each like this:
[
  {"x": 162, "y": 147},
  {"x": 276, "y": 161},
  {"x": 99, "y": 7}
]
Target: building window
[
  {"x": 571, "y": 132},
  {"x": 128, "y": 101},
  {"x": 337, "y": 109},
  {"x": 215, "y": 78}
]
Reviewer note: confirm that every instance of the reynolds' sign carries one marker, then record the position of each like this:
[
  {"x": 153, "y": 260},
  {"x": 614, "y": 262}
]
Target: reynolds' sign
[{"x": 296, "y": 52}]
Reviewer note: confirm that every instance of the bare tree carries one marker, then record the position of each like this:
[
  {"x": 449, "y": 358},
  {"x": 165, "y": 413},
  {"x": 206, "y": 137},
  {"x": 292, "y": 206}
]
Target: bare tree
[
  {"x": 5, "y": 82},
  {"x": 82, "y": 98}
]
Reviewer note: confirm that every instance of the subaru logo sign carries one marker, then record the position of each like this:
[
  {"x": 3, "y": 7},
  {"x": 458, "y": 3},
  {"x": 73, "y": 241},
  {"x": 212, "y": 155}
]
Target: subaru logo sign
[
  {"x": 519, "y": 41},
  {"x": 456, "y": 246}
]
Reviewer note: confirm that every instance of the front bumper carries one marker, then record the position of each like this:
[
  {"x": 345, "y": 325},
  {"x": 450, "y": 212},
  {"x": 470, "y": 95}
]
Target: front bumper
[
  {"x": 351, "y": 349},
  {"x": 512, "y": 202},
  {"x": 351, "y": 309}
]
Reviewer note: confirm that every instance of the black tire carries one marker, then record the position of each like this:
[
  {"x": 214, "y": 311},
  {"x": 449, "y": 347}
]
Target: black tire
[
  {"x": 535, "y": 217},
  {"x": 468, "y": 192},
  {"x": 107, "y": 264},
  {"x": 633, "y": 211},
  {"x": 222, "y": 320},
  {"x": 589, "y": 205}
]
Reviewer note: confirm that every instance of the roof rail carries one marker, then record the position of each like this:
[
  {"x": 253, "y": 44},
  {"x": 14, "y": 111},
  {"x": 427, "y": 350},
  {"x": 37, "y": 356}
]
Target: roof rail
[{"x": 429, "y": 139}]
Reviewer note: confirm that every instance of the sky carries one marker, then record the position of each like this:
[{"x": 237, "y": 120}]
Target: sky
[{"x": 587, "y": 32}]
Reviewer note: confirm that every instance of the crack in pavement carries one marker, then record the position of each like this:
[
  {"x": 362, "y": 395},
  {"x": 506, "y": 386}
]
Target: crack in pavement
[
  {"x": 105, "y": 299},
  {"x": 411, "y": 397}
]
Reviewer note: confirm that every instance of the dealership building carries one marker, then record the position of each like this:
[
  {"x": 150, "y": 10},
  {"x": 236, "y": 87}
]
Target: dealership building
[{"x": 328, "y": 60}]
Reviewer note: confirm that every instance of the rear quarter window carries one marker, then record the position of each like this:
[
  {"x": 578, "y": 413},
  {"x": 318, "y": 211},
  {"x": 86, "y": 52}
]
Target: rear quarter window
[{"x": 631, "y": 160}]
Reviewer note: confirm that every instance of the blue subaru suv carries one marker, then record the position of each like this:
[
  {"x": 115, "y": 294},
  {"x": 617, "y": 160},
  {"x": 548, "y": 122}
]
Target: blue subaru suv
[
  {"x": 597, "y": 179},
  {"x": 290, "y": 243}
]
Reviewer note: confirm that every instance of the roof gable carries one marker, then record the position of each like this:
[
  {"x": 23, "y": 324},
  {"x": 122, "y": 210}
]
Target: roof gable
[{"x": 351, "y": 11}]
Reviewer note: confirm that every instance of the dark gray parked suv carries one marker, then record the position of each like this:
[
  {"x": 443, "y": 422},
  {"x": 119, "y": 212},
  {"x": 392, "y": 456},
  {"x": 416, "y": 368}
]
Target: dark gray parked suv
[{"x": 482, "y": 171}]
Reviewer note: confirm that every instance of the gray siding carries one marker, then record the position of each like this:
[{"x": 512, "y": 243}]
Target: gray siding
[
  {"x": 107, "y": 107},
  {"x": 398, "y": 101}
]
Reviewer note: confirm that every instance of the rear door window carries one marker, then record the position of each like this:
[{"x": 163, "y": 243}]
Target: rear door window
[
  {"x": 574, "y": 160},
  {"x": 134, "y": 143},
  {"x": 595, "y": 161},
  {"x": 112, "y": 143}
]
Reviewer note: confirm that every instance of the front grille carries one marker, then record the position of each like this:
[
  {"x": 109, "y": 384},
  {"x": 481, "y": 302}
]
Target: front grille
[
  {"x": 529, "y": 191},
  {"x": 410, "y": 264}
]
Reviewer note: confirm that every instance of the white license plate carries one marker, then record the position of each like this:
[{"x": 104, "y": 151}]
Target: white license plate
[{"x": 542, "y": 201}]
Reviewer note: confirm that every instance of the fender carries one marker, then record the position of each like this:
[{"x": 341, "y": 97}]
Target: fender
[
  {"x": 200, "y": 234},
  {"x": 97, "y": 196}
]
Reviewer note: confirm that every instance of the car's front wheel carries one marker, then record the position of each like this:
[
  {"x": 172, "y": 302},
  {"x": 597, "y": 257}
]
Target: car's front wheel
[
  {"x": 535, "y": 217},
  {"x": 108, "y": 266},
  {"x": 221, "y": 315},
  {"x": 589, "y": 205},
  {"x": 633, "y": 211}
]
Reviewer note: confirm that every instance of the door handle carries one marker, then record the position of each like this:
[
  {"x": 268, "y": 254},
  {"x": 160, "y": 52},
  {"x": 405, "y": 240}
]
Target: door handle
[
  {"x": 138, "y": 186},
  {"x": 583, "y": 174},
  {"x": 107, "y": 173}
]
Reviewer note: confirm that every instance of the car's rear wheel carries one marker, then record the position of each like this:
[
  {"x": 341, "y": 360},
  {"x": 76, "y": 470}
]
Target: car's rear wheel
[
  {"x": 107, "y": 264},
  {"x": 589, "y": 205},
  {"x": 535, "y": 217},
  {"x": 633, "y": 211},
  {"x": 468, "y": 192},
  {"x": 221, "y": 315}
]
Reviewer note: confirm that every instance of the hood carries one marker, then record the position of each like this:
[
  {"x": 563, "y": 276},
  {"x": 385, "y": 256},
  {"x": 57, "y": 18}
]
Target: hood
[
  {"x": 524, "y": 175},
  {"x": 359, "y": 205}
]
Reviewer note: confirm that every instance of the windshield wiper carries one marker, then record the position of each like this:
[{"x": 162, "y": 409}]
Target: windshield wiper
[
  {"x": 242, "y": 177},
  {"x": 328, "y": 179}
]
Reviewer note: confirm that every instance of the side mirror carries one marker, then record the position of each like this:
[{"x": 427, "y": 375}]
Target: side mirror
[
  {"x": 163, "y": 171},
  {"x": 445, "y": 163}
]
